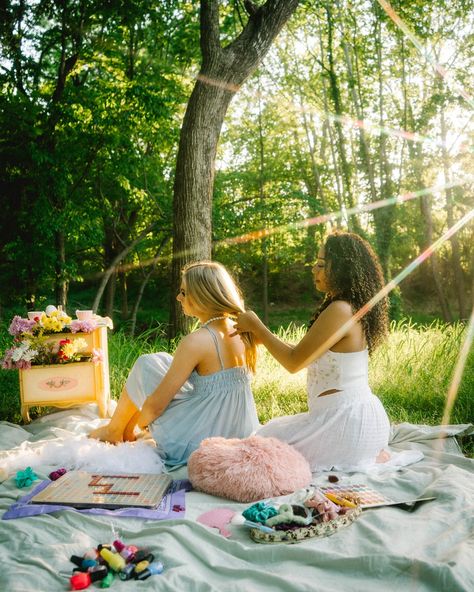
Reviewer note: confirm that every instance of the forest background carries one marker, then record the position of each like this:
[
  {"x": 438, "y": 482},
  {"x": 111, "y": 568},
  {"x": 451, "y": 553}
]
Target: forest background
[
  {"x": 353, "y": 119},
  {"x": 93, "y": 97}
]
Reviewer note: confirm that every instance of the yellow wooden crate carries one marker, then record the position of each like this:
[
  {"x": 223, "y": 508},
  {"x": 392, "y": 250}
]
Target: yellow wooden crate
[{"x": 66, "y": 385}]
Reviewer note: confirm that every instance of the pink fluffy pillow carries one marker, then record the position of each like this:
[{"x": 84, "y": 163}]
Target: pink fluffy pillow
[{"x": 249, "y": 469}]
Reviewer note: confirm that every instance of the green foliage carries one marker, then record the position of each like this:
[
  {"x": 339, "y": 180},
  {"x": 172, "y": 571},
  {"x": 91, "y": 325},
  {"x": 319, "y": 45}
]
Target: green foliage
[{"x": 90, "y": 112}]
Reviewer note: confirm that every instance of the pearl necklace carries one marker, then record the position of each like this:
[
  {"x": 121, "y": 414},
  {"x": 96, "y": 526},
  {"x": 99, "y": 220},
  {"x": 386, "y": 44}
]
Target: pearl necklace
[{"x": 213, "y": 319}]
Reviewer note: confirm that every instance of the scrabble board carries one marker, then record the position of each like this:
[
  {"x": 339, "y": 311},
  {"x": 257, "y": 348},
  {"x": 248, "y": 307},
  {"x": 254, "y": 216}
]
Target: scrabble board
[
  {"x": 370, "y": 498},
  {"x": 81, "y": 489}
]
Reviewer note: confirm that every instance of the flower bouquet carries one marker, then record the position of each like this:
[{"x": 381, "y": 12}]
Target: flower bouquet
[
  {"x": 34, "y": 342},
  {"x": 61, "y": 362}
]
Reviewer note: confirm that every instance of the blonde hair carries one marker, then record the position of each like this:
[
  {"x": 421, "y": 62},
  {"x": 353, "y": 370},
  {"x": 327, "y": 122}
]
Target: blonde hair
[{"x": 212, "y": 288}]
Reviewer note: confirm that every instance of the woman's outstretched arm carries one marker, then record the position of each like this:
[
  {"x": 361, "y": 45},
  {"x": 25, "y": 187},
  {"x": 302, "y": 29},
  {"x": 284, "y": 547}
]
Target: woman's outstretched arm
[
  {"x": 332, "y": 325},
  {"x": 186, "y": 357}
]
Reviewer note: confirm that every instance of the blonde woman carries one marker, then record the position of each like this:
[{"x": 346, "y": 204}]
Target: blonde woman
[{"x": 201, "y": 391}]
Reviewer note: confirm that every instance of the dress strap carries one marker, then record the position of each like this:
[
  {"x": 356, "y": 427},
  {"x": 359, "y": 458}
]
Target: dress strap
[{"x": 216, "y": 343}]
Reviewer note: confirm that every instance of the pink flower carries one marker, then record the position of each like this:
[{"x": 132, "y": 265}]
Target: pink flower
[
  {"x": 23, "y": 364},
  {"x": 97, "y": 355},
  {"x": 83, "y": 326}
]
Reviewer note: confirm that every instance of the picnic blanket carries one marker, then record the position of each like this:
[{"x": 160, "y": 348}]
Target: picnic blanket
[{"x": 429, "y": 548}]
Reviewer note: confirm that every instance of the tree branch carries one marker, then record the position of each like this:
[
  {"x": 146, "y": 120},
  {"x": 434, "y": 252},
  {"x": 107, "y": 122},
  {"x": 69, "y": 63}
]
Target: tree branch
[{"x": 108, "y": 272}]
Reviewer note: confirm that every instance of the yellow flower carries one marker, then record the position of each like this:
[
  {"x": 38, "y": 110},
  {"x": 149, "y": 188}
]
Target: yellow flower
[
  {"x": 69, "y": 349},
  {"x": 54, "y": 322}
]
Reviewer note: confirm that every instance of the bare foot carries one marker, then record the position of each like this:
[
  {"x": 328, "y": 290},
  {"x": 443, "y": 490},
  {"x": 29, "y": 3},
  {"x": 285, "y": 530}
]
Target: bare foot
[
  {"x": 105, "y": 434},
  {"x": 383, "y": 456}
]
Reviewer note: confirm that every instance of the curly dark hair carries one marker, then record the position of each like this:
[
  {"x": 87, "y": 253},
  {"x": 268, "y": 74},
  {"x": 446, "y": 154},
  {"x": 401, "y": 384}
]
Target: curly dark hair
[{"x": 354, "y": 274}]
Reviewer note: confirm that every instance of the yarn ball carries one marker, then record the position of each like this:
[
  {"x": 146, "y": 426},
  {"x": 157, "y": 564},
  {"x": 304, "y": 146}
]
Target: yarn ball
[
  {"x": 249, "y": 469},
  {"x": 25, "y": 478}
]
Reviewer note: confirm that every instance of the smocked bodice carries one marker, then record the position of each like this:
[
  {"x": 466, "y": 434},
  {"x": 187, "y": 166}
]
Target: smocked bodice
[{"x": 340, "y": 371}]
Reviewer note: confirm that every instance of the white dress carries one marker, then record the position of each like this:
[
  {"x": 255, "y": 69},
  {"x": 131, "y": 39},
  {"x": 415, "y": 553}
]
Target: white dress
[{"x": 344, "y": 430}]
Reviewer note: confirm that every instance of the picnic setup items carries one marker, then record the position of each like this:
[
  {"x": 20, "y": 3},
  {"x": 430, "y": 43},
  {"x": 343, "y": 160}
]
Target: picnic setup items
[
  {"x": 81, "y": 489},
  {"x": 308, "y": 513},
  {"x": 247, "y": 469},
  {"x": 62, "y": 362},
  {"x": 101, "y": 564},
  {"x": 149, "y": 496}
]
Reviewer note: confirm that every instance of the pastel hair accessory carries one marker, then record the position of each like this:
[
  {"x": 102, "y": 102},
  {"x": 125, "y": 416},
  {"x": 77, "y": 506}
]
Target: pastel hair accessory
[
  {"x": 25, "y": 478},
  {"x": 286, "y": 515},
  {"x": 259, "y": 512},
  {"x": 54, "y": 476},
  {"x": 217, "y": 518}
]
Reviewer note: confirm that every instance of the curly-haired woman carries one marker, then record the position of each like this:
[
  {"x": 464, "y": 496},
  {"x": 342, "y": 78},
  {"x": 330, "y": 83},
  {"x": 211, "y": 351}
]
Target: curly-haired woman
[{"x": 346, "y": 426}]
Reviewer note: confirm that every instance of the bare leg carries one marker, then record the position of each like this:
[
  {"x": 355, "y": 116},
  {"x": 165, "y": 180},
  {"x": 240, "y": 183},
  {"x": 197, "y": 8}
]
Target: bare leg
[
  {"x": 129, "y": 431},
  {"x": 114, "y": 431}
]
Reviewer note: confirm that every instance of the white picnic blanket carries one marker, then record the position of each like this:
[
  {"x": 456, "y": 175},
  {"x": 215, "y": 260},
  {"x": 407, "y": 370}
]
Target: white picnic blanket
[{"x": 428, "y": 549}]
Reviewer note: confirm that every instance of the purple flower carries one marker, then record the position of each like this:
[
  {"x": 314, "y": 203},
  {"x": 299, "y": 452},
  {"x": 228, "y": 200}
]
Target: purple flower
[
  {"x": 19, "y": 326},
  {"x": 83, "y": 326},
  {"x": 7, "y": 363}
]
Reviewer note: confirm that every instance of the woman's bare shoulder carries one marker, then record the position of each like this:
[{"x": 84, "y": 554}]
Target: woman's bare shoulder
[{"x": 340, "y": 308}]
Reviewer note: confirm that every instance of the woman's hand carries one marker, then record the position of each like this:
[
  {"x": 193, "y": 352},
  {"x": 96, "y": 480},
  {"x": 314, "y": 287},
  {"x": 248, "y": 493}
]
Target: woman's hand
[{"x": 247, "y": 322}]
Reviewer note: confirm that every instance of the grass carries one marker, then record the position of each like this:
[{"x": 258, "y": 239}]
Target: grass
[{"x": 411, "y": 374}]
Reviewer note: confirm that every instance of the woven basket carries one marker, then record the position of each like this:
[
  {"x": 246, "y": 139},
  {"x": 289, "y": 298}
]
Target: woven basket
[{"x": 317, "y": 529}]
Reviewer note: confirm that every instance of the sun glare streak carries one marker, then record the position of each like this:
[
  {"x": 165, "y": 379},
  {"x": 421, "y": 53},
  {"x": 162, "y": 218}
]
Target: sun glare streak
[
  {"x": 264, "y": 232},
  {"x": 409, "y": 195},
  {"x": 341, "y": 332},
  {"x": 458, "y": 371},
  {"x": 445, "y": 75},
  {"x": 365, "y": 124}
]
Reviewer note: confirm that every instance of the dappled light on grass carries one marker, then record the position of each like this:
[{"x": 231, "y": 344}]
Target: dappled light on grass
[
  {"x": 459, "y": 370},
  {"x": 412, "y": 371},
  {"x": 276, "y": 391}
]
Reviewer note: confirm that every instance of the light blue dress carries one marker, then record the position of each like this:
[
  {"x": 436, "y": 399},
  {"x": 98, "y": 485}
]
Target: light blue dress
[{"x": 218, "y": 404}]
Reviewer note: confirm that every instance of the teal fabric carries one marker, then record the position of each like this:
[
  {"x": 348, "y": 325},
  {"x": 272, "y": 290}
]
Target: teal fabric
[{"x": 429, "y": 549}]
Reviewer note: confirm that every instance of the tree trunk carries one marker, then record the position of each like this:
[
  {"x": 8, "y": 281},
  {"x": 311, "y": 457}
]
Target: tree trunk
[
  {"x": 146, "y": 278},
  {"x": 335, "y": 94},
  {"x": 122, "y": 280},
  {"x": 456, "y": 250},
  {"x": 61, "y": 284},
  {"x": 425, "y": 204},
  {"x": 223, "y": 71},
  {"x": 383, "y": 217}
]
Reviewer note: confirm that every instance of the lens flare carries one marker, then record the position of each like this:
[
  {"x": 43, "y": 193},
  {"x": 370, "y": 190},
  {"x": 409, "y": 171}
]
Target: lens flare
[
  {"x": 409, "y": 195},
  {"x": 445, "y": 75},
  {"x": 458, "y": 370}
]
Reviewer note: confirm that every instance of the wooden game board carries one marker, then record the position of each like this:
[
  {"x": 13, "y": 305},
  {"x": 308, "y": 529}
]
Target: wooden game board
[
  {"x": 369, "y": 497},
  {"x": 81, "y": 489}
]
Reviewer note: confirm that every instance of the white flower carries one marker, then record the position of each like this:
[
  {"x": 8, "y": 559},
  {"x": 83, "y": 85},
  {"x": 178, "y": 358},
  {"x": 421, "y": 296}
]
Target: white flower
[
  {"x": 30, "y": 355},
  {"x": 17, "y": 354}
]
